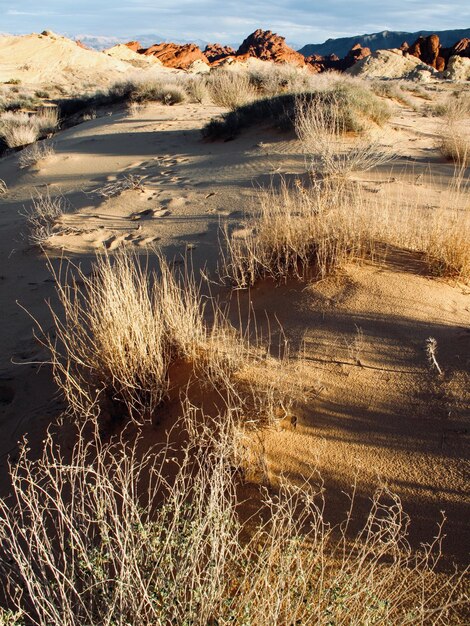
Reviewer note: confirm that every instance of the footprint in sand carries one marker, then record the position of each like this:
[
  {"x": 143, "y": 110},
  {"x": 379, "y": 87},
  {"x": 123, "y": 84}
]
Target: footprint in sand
[{"x": 114, "y": 242}]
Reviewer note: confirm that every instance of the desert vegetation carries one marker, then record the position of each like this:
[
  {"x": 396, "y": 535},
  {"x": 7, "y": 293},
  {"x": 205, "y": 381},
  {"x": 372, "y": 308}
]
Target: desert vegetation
[
  {"x": 105, "y": 534},
  {"x": 250, "y": 395},
  {"x": 19, "y": 129},
  {"x": 34, "y": 154},
  {"x": 132, "y": 543},
  {"x": 42, "y": 217},
  {"x": 354, "y": 104}
]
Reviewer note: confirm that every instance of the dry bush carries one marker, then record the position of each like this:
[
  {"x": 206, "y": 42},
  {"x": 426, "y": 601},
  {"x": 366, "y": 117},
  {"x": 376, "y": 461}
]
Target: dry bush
[
  {"x": 272, "y": 79},
  {"x": 321, "y": 126},
  {"x": 392, "y": 90},
  {"x": 106, "y": 535},
  {"x": 32, "y": 155},
  {"x": 196, "y": 88},
  {"x": 312, "y": 231},
  {"x": 356, "y": 108},
  {"x": 455, "y": 143},
  {"x": 42, "y": 217},
  {"x": 230, "y": 89},
  {"x": 119, "y": 331},
  {"x": 116, "y": 187},
  {"x": 298, "y": 231},
  {"x": 3, "y": 187},
  {"x": 146, "y": 89},
  {"x": 47, "y": 120},
  {"x": 18, "y": 129}
]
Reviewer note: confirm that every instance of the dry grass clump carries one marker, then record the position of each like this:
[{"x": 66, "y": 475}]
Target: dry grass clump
[
  {"x": 116, "y": 187},
  {"x": 108, "y": 535},
  {"x": 356, "y": 108},
  {"x": 231, "y": 89},
  {"x": 272, "y": 79},
  {"x": 298, "y": 231},
  {"x": 21, "y": 129},
  {"x": 321, "y": 126},
  {"x": 18, "y": 129},
  {"x": 312, "y": 231},
  {"x": 197, "y": 89},
  {"x": 47, "y": 120},
  {"x": 392, "y": 90},
  {"x": 147, "y": 90},
  {"x": 455, "y": 108},
  {"x": 3, "y": 187},
  {"x": 455, "y": 145},
  {"x": 121, "y": 329},
  {"x": 42, "y": 217},
  {"x": 32, "y": 155}
]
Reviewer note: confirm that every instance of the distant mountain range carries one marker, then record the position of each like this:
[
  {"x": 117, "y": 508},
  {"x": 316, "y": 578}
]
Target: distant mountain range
[
  {"x": 101, "y": 42},
  {"x": 380, "y": 41}
]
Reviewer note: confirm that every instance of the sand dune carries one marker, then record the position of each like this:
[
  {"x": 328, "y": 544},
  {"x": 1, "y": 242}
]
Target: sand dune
[{"x": 375, "y": 412}]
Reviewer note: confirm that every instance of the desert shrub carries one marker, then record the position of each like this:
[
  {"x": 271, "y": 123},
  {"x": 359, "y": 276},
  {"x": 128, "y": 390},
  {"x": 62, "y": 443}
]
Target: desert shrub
[
  {"x": 273, "y": 79},
  {"x": 147, "y": 90},
  {"x": 455, "y": 144},
  {"x": 108, "y": 535},
  {"x": 454, "y": 108},
  {"x": 42, "y": 217},
  {"x": 355, "y": 108},
  {"x": 312, "y": 231},
  {"x": 47, "y": 120},
  {"x": 321, "y": 127},
  {"x": 18, "y": 129},
  {"x": 40, "y": 93},
  {"x": 119, "y": 332},
  {"x": 35, "y": 153},
  {"x": 230, "y": 89},
  {"x": 297, "y": 232},
  {"x": 196, "y": 88},
  {"x": 392, "y": 90}
]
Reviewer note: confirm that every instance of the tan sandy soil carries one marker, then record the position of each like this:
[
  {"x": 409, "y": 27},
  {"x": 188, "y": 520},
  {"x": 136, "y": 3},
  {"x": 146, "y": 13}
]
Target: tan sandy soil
[{"x": 377, "y": 412}]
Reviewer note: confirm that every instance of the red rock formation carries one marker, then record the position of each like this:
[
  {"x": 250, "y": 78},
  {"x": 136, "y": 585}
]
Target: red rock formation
[
  {"x": 215, "y": 52},
  {"x": 356, "y": 53},
  {"x": 134, "y": 46},
  {"x": 174, "y": 55},
  {"x": 427, "y": 49},
  {"x": 332, "y": 62},
  {"x": 266, "y": 45},
  {"x": 461, "y": 48}
]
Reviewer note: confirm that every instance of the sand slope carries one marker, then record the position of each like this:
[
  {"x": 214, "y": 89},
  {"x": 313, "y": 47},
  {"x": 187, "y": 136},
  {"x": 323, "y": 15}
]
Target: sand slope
[
  {"x": 376, "y": 412},
  {"x": 39, "y": 59}
]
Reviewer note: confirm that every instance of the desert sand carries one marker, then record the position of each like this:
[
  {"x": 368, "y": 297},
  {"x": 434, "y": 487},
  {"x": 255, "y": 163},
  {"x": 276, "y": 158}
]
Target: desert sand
[{"x": 376, "y": 413}]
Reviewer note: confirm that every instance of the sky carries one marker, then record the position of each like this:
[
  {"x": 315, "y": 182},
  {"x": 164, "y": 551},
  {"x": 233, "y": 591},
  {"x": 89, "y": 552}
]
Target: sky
[{"x": 227, "y": 21}]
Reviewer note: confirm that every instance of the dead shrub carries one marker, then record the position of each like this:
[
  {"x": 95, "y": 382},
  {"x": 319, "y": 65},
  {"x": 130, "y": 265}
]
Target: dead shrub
[{"x": 230, "y": 89}]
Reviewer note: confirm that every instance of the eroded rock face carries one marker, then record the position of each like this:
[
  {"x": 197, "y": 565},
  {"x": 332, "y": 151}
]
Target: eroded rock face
[
  {"x": 134, "y": 46},
  {"x": 174, "y": 55},
  {"x": 266, "y": 45},
  {"x": 332, "y": 62},
  {"x": 216, "y": 52},
  {"x": 461, "y": 48},
  {"x": 458, "y": 68},
  {"x": 427, "y": 50}
]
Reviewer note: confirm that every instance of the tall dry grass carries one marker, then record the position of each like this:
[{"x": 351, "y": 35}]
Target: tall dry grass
[
  {"x": 321, "y": 125},
  {"x": 311, "y": 231},
  {"x": 230, "y": 89},
  {"x": 43, "y": 214},
  {"x": 106, "y": 535},
  {"x": 119, "y": 329}
]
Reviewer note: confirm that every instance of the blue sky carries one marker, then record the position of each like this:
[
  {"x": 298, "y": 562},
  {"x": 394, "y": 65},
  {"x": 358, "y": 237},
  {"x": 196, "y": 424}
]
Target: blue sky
[{"x": 300, "y": 21}]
